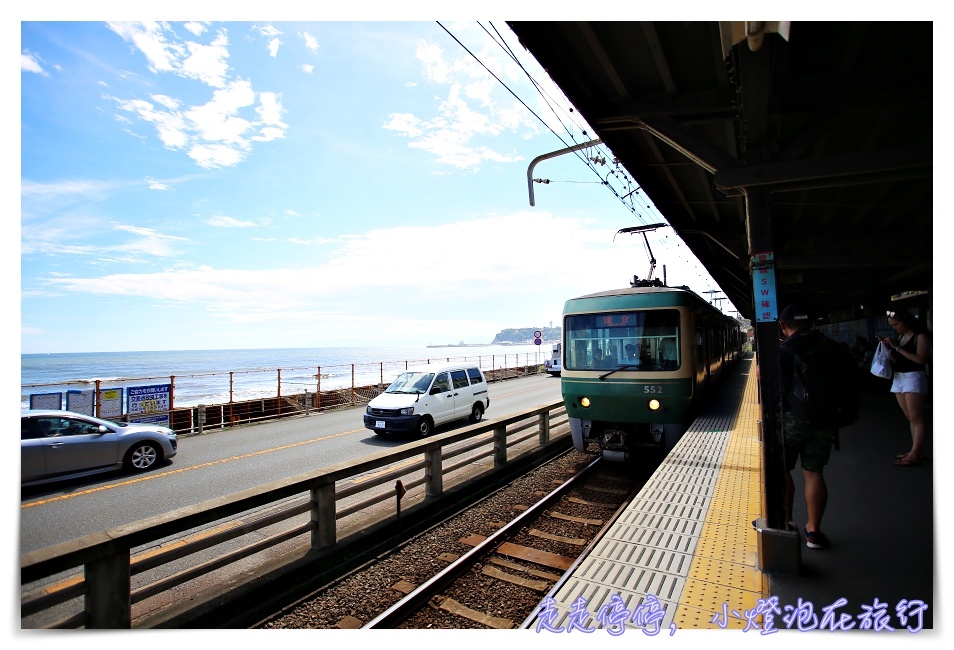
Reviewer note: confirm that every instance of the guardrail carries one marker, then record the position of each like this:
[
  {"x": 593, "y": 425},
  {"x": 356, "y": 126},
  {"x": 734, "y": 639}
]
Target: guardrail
[
  {"x": 278, "y": 393},
  {"x": 126, "y": 566}
]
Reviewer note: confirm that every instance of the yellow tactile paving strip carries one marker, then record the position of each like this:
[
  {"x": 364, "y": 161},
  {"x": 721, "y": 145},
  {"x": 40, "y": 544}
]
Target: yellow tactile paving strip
[
  {"x": 687, "y": 538},
  {"x": 723, "y": 576}
]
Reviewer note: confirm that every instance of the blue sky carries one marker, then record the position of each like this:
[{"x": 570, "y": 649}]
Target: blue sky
[{"x": 196, "y": 185}]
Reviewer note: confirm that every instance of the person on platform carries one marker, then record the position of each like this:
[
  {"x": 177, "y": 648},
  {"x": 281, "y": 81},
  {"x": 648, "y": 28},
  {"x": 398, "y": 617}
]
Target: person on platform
[
  {"x": 910, "y": 351},
  {"x": 811, "y": 445}
]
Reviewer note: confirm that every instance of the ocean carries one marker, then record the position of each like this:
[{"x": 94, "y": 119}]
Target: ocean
[{"x": 216, "y": 376}]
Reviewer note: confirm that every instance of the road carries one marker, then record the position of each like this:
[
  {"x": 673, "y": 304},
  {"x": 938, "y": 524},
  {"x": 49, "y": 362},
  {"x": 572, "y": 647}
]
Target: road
[{"x": 224, "y": 462}]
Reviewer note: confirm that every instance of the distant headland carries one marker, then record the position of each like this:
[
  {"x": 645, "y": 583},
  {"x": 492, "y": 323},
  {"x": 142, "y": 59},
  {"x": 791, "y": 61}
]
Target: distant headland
[{"x": 512, "y": 336}]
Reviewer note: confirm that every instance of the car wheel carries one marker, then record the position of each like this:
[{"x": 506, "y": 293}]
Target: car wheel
[
  {"x": 142, "y": 456},
  {"x": 424, "y": 427},
  {"x": 477, "y": 413}
]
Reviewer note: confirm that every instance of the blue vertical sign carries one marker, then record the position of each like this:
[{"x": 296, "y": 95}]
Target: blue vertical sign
[{"x": 763, "y": 288}]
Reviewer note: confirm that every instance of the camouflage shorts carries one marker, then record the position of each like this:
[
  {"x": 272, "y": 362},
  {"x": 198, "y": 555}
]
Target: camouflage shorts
[{"x": 812, "y": 446}]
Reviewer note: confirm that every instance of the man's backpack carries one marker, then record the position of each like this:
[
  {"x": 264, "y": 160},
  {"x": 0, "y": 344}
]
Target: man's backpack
[{"x": 826, "y": 391}]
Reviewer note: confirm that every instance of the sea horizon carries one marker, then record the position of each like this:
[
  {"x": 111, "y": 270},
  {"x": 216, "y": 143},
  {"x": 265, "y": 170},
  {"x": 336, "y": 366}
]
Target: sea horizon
[{"x": 233, "y": 374}]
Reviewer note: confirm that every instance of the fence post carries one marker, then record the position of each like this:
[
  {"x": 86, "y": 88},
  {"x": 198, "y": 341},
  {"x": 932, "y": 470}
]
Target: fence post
[
  {"x": 353, "y": 400},
  {"x": 323, "y": 526},
  {"x": 434, "y": 472},
  {"x": 279, "y": 392},
  {"x": 201, "y": 417},
  {"x": 307, "y": 402},
  {"x": 545, "y": 427},
  {"x": 108, "y": 601},
  {"x": 500, "y": 446}
]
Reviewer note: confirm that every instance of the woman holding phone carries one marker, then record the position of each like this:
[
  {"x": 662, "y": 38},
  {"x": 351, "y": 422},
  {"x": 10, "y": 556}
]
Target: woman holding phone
[{"x": 910, "y": 352}]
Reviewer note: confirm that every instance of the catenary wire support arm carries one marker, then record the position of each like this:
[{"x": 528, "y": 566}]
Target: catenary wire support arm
[{"x": 554, "y": 154}]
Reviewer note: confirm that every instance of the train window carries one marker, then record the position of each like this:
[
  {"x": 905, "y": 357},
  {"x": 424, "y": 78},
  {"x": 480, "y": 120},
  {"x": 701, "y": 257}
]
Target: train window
[{"x": 637, "y": 340}]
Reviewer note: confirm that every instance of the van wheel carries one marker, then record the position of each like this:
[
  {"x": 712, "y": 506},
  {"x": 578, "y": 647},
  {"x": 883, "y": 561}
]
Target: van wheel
[
  {"x": 477, "y": 412},
  {"x": 424, "y": 427}
]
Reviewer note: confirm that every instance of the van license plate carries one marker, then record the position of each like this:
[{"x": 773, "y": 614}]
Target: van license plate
[{"x": 379, "y": 424}]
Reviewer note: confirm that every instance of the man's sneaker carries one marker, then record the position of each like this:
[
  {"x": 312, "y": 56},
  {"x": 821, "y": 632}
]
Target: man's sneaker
[{"x": 815, "y": 539}]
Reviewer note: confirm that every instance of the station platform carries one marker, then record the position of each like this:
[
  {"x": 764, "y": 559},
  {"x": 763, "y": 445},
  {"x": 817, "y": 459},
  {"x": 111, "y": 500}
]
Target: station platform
[{"x": 684, "y": 554}]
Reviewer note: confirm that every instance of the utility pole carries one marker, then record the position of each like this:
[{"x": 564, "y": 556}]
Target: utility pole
[{"x": 711, "y": 293}]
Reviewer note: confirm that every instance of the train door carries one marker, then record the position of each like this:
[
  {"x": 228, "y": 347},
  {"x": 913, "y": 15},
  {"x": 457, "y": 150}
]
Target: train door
[{"x": 701, "y": 345}]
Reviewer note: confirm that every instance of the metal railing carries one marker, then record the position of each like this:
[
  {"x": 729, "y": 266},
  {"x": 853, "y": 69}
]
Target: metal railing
[
  {"x": 258, "y": 395},
  {"x": 106, "y": 579}
]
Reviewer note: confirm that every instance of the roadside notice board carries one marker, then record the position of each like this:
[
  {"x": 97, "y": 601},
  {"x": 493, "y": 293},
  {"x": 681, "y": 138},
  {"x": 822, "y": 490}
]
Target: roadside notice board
[
  {"x": 80, "y": 401},
  {"x": 46, "y": 401},
  {"x": 111, "y": 403},
  {"x": 149, "y": 403}
]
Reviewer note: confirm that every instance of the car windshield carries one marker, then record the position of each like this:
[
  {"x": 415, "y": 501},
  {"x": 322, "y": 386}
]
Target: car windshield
[{"x": 411, "y": 382}]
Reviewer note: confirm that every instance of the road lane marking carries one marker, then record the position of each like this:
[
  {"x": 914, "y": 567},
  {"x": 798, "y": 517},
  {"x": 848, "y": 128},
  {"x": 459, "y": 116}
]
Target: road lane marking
[
  {"x": 215, "y": 462},
  {"x": 183, "y": 469}
]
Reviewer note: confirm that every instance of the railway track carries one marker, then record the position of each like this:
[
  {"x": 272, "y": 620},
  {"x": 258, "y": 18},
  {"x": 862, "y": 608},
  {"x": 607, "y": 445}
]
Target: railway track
[{"x": 489, "y": 567}]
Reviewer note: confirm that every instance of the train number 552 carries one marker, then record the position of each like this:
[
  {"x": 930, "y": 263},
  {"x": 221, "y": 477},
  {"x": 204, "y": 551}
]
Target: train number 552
[{"x": 653, "y": 390}]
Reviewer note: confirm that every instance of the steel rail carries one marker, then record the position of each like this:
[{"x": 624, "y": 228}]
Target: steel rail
[{"x": 407, "y": 606}]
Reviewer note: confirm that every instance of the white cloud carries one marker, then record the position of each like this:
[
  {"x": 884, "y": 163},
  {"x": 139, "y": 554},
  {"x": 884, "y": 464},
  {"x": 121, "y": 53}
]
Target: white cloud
[
  {"x": 273, "y": 46},
  {"x": 218, "y": 120},
  {"x": 270, "y": 109},
  {"x": 373, "y": 273},
  {"x": 166, "y": 101},
  {"x": 467, "y": 120},
  {"x": 267, "y": 30},
  {"x": 147, "y": 232},
  {"x": 211, "y": 156},
  {"x": 29, "y": 63},
  {"x": 230, "y": 222},
  {"x": 148, "y": 37},
  {"x": 217, "y": 133},
  {"x": 207, "y": 63},
  {"x": 310, "y": 41},
  {"x": 196, "y": 28},
  {"x": 307, "y": 68}
]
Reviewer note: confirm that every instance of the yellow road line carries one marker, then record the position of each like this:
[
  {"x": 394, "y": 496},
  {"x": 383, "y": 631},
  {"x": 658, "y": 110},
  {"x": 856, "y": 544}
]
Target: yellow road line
[{"x": 184, "y": 469}]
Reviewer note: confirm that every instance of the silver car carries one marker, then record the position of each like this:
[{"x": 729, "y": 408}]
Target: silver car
[{"x": 57, "y": 445}]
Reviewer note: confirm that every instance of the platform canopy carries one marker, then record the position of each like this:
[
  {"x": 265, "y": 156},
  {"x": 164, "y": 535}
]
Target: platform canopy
[{"x": 830, "y": 122}]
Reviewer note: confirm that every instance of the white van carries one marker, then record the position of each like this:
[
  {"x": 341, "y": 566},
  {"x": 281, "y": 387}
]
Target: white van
[
  {"x": 424, "y": 397},
  {"x": 553, "y": 363}
]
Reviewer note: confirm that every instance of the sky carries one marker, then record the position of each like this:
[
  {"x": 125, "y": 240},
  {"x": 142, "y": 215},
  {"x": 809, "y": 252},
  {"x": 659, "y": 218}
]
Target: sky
[{"x": 200, "y": 185}]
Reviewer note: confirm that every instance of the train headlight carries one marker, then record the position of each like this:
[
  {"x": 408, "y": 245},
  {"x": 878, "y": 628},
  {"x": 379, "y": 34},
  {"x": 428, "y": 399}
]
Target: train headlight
[
  {"x": 654, "y": 405},
  {"x": 585, "y": 402}
]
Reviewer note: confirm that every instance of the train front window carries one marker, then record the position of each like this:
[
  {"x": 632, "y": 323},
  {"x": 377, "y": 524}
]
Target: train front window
[{"x": 638, "y": 340}]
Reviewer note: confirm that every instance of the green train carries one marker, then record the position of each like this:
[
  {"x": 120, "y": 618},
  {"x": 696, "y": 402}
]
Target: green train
[{"x": 638, "y": 362}]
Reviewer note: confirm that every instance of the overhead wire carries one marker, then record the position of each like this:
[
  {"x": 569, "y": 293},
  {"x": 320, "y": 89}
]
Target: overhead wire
[
  {"x": 584, "y": 159},
  {"x": 634, "y": 190}
]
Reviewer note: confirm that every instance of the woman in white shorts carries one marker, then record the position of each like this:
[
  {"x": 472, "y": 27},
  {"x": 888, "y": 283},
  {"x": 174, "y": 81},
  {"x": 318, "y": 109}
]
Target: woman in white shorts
[{"x": 910, "y": 352}]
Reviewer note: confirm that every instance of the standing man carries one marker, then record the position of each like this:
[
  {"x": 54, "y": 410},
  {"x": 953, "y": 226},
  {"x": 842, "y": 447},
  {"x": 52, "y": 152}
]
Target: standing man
[{"x": 812, "y": 445}]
